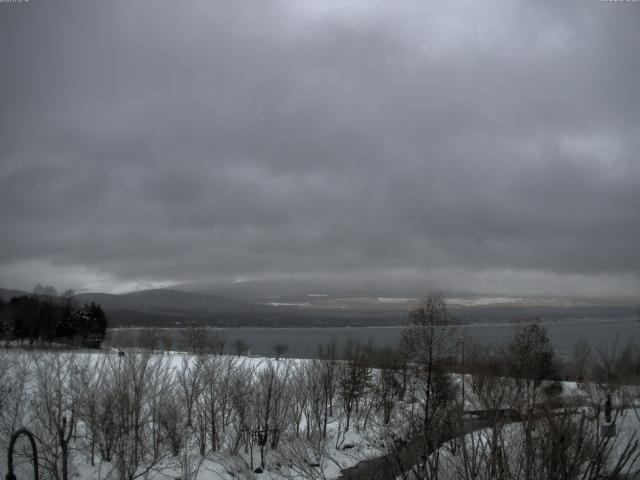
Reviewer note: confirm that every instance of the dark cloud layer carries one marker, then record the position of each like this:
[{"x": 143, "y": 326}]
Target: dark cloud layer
[{"x": 473, "y": 144}]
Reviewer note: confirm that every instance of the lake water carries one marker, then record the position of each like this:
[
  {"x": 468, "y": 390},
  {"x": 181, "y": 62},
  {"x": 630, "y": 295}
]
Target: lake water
[{"x": 304, "y": 342}]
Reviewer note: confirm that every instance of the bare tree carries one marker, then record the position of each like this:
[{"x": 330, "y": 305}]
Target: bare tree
[
  {"x": 240, "y": 346},
  {"x": 279, "y": 349},
  {"x": 171, "y": 421},
  {"x": 565, "y": 446},
  {"x": 271, "y": 405},
  {"x": 316, "y": 408},
  {"x": 217, "y": 341},
  {"x": 430, "y": 342},
  {"x": 15, "y": 380},
  {"x": 189, "y": 384},
  {"x": 90, "y": 374},
  {"x": 217, "y": 395},
  {"x": 305, "y": 458},
  {"x": 580, "y": 362},
  {"x": 329, "y": 358},
  {"x": 150, "y": 338},
  {"x": 298, "y": 388},
  {"x": 493, "y": 394},
  {"x": 354, "y": 376},
  {"x": 242, "y": 391},
  {"x": 196, "y": 338},
  {"x": 161, "y": 384},
  {"x": 56, "y": 401},
  {"x": 129, "y": 383},
  {"x": 392, "y": 376},
  {"x": 531, "y": 361},
  {"x": 120, "y": 338}
]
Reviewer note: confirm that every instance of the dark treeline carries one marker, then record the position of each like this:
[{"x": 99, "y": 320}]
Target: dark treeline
[{"x": 47, "y": 318}]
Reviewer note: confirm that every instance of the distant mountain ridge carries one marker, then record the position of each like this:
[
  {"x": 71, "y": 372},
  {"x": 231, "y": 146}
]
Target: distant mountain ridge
[
  {"x": 162, "y": 307},
  {"x": 172, "y": 307},
  {"x": 163, "y": 300},
  {"x": 8, "y": 294},
  {"x": 155, "y": 300}
]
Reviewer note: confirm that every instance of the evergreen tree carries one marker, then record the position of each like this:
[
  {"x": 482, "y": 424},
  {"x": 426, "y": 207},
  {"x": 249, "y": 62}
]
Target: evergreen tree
[
  {"x": 46, "y": 318},
  {"x": 66, "y": 324}
]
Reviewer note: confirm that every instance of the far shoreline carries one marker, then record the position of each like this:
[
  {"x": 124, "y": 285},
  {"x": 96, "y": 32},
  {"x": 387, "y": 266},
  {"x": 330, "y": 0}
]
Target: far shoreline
[{"x": 576, "y": 321}]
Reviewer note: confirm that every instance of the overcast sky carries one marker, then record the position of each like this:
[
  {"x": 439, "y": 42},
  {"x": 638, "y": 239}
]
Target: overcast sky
[{"x": 489, "y": 146}]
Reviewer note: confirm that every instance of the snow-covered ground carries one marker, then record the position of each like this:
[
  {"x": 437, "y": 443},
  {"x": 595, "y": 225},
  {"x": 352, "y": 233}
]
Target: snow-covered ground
[
  {"x": 297, "y": 455},
  {"x": 341, "y": 449}
]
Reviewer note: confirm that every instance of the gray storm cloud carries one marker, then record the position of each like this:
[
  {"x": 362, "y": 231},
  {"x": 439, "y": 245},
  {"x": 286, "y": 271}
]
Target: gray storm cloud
[{"x": 483, "y": 145}]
